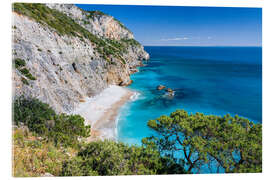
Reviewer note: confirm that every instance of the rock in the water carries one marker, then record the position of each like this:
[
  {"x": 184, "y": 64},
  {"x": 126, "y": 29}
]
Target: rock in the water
[
  {"x": 160, "y": 87},
  {"x": 169, "y": 90}
]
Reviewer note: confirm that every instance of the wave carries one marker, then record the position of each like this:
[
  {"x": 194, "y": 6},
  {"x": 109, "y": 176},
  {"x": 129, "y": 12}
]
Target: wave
[{"x": 135, "y": 96}]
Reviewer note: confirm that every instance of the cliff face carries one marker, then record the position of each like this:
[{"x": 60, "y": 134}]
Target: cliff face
[{"x": 63, "y": 54}]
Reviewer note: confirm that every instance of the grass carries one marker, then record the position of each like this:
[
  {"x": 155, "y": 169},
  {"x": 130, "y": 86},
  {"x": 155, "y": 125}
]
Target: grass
[{"x": 33, "y": 156}]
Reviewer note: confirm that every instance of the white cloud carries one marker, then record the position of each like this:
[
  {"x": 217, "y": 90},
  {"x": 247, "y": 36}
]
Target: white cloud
[{"x": 175, "y": 39}]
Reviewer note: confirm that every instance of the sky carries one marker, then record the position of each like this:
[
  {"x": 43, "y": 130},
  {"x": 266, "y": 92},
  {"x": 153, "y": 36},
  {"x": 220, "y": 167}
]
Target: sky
[{"x": 188, "y": 26}]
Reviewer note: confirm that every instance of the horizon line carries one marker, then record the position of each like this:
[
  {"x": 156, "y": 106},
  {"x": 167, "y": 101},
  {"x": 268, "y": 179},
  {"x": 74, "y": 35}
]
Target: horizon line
[{"x": 199, "y": 45}]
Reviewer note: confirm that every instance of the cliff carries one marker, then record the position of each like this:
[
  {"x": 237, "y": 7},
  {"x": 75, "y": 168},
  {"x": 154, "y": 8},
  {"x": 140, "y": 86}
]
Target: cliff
[{"x": 62, "y": 54}]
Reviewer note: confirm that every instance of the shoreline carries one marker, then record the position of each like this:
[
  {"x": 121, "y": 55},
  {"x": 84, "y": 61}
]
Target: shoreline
[{"x": 101, "y": 111}]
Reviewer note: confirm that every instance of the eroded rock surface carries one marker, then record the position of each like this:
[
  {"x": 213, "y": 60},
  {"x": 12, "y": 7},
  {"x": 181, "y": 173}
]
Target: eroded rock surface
[{"x": 69, "y": 68}]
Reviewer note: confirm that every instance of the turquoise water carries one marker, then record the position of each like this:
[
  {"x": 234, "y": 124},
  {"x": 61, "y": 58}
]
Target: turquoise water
[{"x": 212, "y": 80}]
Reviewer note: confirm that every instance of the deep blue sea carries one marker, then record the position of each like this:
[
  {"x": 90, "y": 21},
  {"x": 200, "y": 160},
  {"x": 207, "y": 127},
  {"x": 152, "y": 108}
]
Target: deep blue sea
[{"x": 211, "y": 80}]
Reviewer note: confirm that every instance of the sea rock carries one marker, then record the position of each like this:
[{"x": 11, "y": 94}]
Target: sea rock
[
  {"x": 160, "y": 87},
  {"x": 170, "y": 92}
]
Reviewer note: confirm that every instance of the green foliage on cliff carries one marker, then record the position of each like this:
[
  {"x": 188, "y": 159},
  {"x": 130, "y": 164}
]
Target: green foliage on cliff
[
  {"x": 92, "y": 14},
  {"x": 65, "y": 25},
  {"x": 234, "y": 143},
  {"x": 19, "y": 64},
  {"x": 131, "y": 42},
  {"x": 27, "y": 73},
  {"x": 40, "y": 118},
  {"x": 112, "y": 158}
]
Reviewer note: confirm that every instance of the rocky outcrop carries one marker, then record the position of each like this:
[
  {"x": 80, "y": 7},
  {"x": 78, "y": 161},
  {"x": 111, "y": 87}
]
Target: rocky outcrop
[
  {"x": 66, "y": 67},
  {"x": 98, "y": 23}
]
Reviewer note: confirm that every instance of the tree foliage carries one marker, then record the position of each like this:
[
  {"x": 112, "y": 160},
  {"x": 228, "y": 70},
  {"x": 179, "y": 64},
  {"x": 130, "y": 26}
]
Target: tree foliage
[
  {"x": 40, "y": 118},
  {"x": 233, "y": 143},
  {"x": 114, "y": 158}
]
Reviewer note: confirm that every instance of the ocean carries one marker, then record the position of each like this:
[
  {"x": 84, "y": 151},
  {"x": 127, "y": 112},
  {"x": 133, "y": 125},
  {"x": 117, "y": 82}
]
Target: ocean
[{"x": 211, "y": 80}]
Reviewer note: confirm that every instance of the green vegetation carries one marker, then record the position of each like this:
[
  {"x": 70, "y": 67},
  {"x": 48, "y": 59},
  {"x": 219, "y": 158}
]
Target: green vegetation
[
  {"x": 92, "y": 14},
  {"x": 34, "y": 156},
  {"x": 61, "y": 129},
  {"x": 27, "y": 74},
  {"x": 131, "y": 42},
  {"x": 24, "y": 81},
  {"x": 65, "y": 25},
  {"x": 52, "y": 145},
  {"x": 234, "y": 143},
  {"x": 19, "y": 64},
  {"x": 112, "y": 158}
]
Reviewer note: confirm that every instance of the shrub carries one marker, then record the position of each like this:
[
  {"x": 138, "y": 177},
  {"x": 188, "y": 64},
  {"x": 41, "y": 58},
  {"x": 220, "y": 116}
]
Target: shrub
[
  {"x": 19, "y": 62},
  {"x": 67, "y": 130},
  {"x": 34, "y": 157},
  {"x": 113, "y": 158},
  {"x": 41, "y": 118},
  {"x": 24, "y": 81},
  {"x": 27, "y": 73}
]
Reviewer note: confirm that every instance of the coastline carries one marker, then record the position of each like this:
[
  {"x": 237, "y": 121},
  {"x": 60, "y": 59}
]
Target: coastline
[{"x": 101, "y": 111}]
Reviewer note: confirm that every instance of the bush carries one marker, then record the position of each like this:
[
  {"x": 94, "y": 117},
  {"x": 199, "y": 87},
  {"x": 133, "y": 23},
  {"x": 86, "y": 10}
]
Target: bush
[
  {"x": 24, "y": 81},
  {"x": 41, "y": 118},
  {"x": 112, "y": 158},
  {"x": 68, "y": 128},
  {"x": 34, "y": 157},
  {"x": 19, "y": 63}
]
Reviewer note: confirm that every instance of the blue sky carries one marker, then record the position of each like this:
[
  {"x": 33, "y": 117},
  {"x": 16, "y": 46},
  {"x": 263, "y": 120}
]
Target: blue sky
[{"x": 188, "y": 26}]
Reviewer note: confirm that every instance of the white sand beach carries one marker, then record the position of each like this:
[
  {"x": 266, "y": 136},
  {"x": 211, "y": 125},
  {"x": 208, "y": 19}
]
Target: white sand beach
[{"x": 101, "y": 111}]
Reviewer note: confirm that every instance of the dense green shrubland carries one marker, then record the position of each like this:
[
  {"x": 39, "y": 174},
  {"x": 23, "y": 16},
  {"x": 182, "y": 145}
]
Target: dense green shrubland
[
  {"x": 233, "y": 143},
  {"x": 40, "y": 118},
  {"x": 112, "y": 158}
]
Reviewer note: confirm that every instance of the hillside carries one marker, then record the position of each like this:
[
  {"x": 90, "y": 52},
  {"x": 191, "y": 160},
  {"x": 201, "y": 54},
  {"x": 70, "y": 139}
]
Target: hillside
[{"x": 63, "y": 54}]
